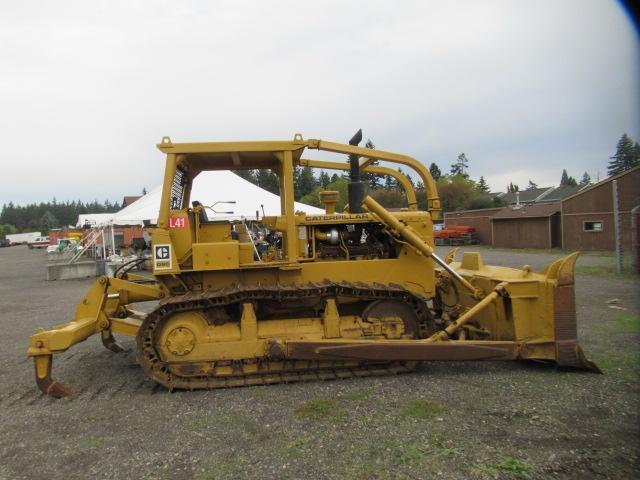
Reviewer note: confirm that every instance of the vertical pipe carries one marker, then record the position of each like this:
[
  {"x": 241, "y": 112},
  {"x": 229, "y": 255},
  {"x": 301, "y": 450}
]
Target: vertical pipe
[
  {"x": 291, "y": 239},
  {"x": 355, "y": 187},
  {"x": 616, "y": 226},
  {"x": 113, "y": 240}
]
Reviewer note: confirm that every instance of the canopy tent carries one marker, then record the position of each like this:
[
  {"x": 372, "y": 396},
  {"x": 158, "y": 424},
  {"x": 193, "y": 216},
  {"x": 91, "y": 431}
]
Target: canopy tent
[
  {"x": 208, "y": 188},
  {"x": 94, "y": 219}
]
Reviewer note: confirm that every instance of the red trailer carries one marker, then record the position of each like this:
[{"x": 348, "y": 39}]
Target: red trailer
[{"x": 456, "y": 235}]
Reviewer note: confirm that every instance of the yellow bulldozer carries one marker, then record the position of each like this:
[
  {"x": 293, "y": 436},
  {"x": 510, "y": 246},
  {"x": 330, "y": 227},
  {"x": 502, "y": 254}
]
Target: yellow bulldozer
[{"x": 354, "y": 293}]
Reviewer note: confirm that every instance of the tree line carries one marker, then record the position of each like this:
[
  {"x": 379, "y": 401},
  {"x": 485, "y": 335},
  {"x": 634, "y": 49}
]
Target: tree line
[
  {"x": 45, "y": 216},
  {"x": 456, "y": 189},
  {"x": 627, "y": 156}
]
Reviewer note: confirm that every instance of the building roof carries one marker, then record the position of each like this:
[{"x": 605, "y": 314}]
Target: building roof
[
  {"x": 525, "y": 196},
  {"x": 558, "y": 193},
  {"x": 129, "y": 199},
  {"x": 532, "y": 210},
  {"x": 595, "y": 185}
]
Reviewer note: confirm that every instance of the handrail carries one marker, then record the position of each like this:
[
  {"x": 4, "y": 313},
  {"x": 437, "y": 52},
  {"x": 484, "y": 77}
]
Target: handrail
[{"x": 433, "y": 200}]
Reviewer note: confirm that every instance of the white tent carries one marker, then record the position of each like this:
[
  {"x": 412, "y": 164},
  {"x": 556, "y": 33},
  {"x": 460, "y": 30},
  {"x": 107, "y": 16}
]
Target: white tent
[
  {"x": 208, "y": 188},
  {"x": 94, "y": 219}
]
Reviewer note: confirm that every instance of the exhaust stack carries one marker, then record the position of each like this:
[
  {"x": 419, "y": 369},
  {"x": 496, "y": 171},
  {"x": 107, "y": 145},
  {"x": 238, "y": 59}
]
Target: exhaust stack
[{"x": 355, "y": 187}]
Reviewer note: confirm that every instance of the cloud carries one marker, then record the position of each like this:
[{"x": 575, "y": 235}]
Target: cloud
[{"x": 523, "y": 88}]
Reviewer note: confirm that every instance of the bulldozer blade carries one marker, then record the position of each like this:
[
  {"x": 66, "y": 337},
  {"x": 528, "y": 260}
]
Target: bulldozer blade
[
  {"x": 568, "y": 351},
  {"x": 44, "y": 381}
]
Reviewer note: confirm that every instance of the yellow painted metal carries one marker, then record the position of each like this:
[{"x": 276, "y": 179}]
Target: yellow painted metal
[
  {"x": 225, "y": 160},
  {"x": 216, "y": 255},
  {"x": 169, "y": 172},
  {"x": 467, "y": 316},
  {"x": 331, "y": 319},
  {"x": 512, "y": 312},
  {"x": 250, "y": 338},
  {"x": 105, "y": 298},
  {"x": 433, "y": 199},
  {"x": 125, "y": 326},
  {"x": 414, "y": 239},
  {"x": 286, "y": 195},
  {"x": 248, "y": 323}
]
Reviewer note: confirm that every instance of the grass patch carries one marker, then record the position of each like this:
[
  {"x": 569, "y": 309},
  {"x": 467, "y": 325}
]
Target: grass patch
[
  {"x": 442, "y": 446},
  {"x": 297, "y": 442},
  {"x": 423, "y": 409},
  {"x": 608, "y": 268},
  {"x": 229, "y": 468},
  {"x": 628, "y": 323},
  {"x": 625, "y": 364},
  {"x": 594, "y": 269},
  {"x": 320, "y": 407},
  {"x": 510, "y": 466},
  {"x": 358, "y": 394},
  {"x": 409, "y": 454},
  {"x": 294, "y": 448},
  {"x": 92, "y": 442},
  {"x": 367, "y": 471}
]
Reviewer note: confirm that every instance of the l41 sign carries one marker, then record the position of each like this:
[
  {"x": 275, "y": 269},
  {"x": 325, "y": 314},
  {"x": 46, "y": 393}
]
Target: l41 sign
[{"x": 178, "y": 222}]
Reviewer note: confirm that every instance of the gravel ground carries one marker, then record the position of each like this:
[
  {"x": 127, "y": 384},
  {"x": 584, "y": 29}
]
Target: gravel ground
[{"x": 464, "y": 420}]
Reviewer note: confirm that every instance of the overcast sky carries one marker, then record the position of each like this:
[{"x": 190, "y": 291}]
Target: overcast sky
[{"x": 523, "y": 88}]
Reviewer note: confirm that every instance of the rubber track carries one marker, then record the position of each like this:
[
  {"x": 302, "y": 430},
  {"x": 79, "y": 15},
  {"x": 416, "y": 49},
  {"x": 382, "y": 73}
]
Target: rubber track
[{"x": 270, "y": 371}]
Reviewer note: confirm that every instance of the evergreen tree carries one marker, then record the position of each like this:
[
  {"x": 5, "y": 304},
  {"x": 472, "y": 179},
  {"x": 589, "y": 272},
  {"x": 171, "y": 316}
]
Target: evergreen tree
[
  {"x": 627, "y": 156},
  {"x": 460, "y": 167},
  {"x": 334, "y": 178},
  {"x": 390, "y": 182},
  {"x": 483, "y": 186},
  {"x": 567, "y": 180},
  {"x": 249, "y": 175},
  {"x": 532, "y": 186},
  {"x": 305, "y": 182},
  {"x": 144, "y": 191},
  {"x": 324, "y": 179},
  {"x": 410, "y": 179},
  {"x": 512, "y": 188},
  {"x": 47, "y": 222},
  {"x": 435, "y": 171},
  {"x": 586, "y": 180},
  {"x": 268, "y": 180},
  {"x": 370, "y": 179}
]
